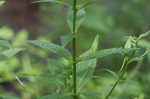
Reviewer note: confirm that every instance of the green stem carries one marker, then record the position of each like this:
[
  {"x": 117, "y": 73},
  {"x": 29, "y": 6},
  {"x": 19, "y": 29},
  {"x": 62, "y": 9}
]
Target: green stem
[
  {"x": 74, "y": 50},
  {"x": 125, "y": 63}
]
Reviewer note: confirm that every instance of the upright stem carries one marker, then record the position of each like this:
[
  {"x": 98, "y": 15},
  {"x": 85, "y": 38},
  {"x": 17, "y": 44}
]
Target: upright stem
[
  {"x": 74, "y": 50},
  {"x": 125, "y": 66}
]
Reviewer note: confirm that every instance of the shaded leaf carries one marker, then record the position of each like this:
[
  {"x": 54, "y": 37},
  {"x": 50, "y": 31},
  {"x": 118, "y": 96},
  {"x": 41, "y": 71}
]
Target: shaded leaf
[
  {"x": 104, "y": 53},
  {"x": 139, "y": 57},
  {"x": 80, "y": 18},
  {"x": 85, "y": 69},
  {"x": 52, "y": 47}
]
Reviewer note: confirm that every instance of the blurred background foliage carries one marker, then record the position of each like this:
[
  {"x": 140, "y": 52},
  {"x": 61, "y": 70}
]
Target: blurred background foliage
[{"x": 113, "y": 20}]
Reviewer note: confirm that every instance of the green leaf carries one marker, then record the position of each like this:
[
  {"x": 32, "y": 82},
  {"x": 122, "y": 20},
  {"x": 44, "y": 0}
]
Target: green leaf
[
  {"x": 66, "y": 39},
  {"x": 8, "y": 97},
  {"x": 144, "y": 44},
  {"x": 52, "y": 47},
  {"x": 2, "y": 2},
  {"x": 93, "y": 48},
  {"x": 54, "y": 1},
  {"x": 139, "y": 57},
  {"x": 95, "y": 44},
  {"x": 128, "y": 43},
  {"x": 85, "y": 69},
  {"x": 9, "y": 53},
  {"x": 143, "y": 35},
  {"x": 13, "y": 51},
  {"x": 6, "y": 33},
  {"x": 5, "y": 43},
  {"x": 79, "y": 20},
  {"x": 104, "y": 53}
]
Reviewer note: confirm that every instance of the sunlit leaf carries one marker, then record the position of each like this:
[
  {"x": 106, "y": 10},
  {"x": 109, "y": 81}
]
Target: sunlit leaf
[
  {"x": 6, "y": 33},
  {"x": 2, "y": 2},
  {"x": 51, "y": 47},
  {"x": 128, "y": 43}
]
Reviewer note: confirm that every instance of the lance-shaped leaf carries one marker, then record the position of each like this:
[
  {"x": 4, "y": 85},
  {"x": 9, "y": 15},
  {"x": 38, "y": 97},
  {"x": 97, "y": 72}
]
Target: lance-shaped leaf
[
  {"x": 85, "y": 69},
  {"x": 13, "y": 51},
  {"x": 52, "y": 47},
  {"x": 143, "y": 35},
  {"x": 9, "y": 53},
  {"x": 54, "y": 1},
  {"x": 79, "y": 20},
  {"x": 104, "y": 53}
]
